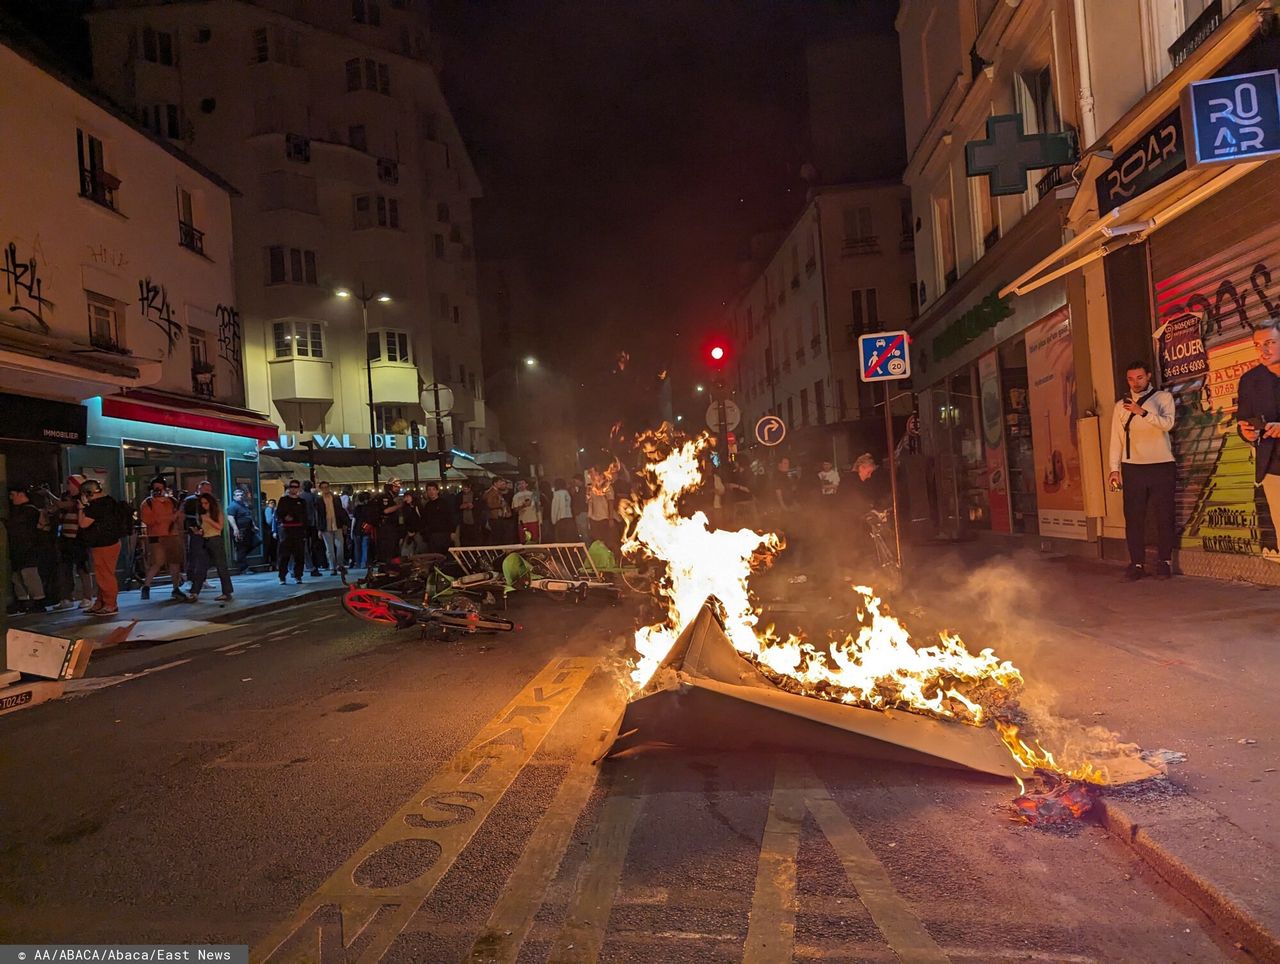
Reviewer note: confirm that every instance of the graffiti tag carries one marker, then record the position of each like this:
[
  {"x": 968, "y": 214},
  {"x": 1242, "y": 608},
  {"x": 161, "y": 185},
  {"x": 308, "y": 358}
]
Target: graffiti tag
[
  {"x": 153, "y": 301},
  {"x": 22, "y": 282},
  {"x": 230, "y": 340},
  {"x": 101, "y": 254}
]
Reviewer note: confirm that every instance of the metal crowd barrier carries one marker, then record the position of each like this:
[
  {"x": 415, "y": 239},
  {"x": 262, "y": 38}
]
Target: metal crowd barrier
[{"x": 566, "y": 560}]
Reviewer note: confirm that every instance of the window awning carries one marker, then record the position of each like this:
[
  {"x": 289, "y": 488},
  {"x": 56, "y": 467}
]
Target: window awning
[
  {"x": 1130, "y": 223},
  {"x": 159, "y": 408}
]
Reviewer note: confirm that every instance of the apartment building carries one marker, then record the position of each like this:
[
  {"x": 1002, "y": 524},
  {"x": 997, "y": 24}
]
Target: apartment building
[{"x": 354, "y": 246}]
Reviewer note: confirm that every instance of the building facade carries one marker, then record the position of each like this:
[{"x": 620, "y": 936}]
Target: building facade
[
  {"x": 1032, "y": 304},
  {"x": 117, "y": 291},
  {"x": 844, "y": 269},
  {"x": 355, "y": 260}
]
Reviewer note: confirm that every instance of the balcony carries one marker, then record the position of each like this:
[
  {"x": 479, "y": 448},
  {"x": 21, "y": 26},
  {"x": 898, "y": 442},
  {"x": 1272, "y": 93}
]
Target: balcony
[
  {"x": 1201, "y": 28},
  {"x": 394, "y": 383},
  {"x": 202, "y": 380},
  {"x": 854, "y": 246},
  {"x": 100, "y": 187},
  {"x": 191, "y": 237},
  {"x": 301, "y": 380},
  {"x": 1055, "y": 178}
]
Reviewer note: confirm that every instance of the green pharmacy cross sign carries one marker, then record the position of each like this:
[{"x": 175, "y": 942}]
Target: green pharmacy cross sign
[{"x": 1008, "y": 153}]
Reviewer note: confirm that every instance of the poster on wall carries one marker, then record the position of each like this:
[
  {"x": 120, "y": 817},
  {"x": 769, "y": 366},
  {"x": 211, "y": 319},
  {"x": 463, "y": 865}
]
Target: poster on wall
[
  {"x": 1051, "y": 378},
  {"x": 993, "y": 442},
  {"x": 1232, "y": 291},
  {"x": 1218, "y": 474}
]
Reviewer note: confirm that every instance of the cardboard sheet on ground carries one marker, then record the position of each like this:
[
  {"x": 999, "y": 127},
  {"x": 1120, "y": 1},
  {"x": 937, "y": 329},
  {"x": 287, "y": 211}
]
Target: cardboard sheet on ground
[
  {"x": 151, "y": 631},
  {"x": 712, "y": 698}
]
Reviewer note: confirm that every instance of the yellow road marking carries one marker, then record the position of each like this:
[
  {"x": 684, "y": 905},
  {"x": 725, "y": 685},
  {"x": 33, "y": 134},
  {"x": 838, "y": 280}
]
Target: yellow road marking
[{"x": 361, "y": 909}]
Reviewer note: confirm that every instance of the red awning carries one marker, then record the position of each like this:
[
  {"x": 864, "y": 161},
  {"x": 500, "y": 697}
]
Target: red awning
[{"x": 181, "y": 412}]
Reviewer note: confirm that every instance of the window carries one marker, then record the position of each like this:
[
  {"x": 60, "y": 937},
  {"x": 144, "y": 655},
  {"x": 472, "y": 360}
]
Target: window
[
  {"x": 389, "y": 345},
  {"x": 457, "y": 315},
  {"x": 261, "y": 47},
  {"x": 865, "y": 312},
  {"x": 390, "y": 419},
  {"x": 301, "y": 339},
  {"x": 439, "y": 242},
  {"x": 986, "y": 214},
  {"x": 366, "y": 12},
  {"x": 300, "y": 264},
  {"x": 297, "y": 148},
  {"x": 472, "y": 384},
  {"x": 944, "y": 242},
  {"x": 442, "y": 212},
  {"x": 1033, "y": 95},
  {"x": 163, "y": 120},
  {"x": 277, "y": 45},
  {"x": 388, "y": 211},
  {"x": 157, "y": 47},
  {"x": 858, "y": 225},
  {"x": 199, "y": 347},
  {"x": 377, "y": 75},
  {"x": 203, "y": 35},
  {"x": 353, "y": 74},
  {"x": 356, "y": 137},
  {"x": 804, "y": 406},
  {"x": 189, "y": 236},
  {"x": 820, "y": 401},
  {"x": 388, "y": 171},
  {"x": 95, "y": 183},
  {"x": 105, "y": 317}
]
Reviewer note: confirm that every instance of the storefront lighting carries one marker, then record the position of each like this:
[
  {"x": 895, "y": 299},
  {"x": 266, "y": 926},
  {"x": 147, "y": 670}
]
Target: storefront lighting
[
  {"x": 530, "y": 361},
  {"x": 384, "y": 298},
  {"x": 343, "y": 293}
]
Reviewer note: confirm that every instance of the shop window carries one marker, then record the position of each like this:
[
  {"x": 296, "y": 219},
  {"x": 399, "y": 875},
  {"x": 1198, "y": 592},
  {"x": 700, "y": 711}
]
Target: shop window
[
  {"x": 106, "y": 322},
  {"x": 298, "y": 339}
]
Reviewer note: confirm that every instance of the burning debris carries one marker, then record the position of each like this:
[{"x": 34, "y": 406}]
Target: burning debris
[
  {"x": 702, "y": 670},
  {"x": 1057, "y": 802}
]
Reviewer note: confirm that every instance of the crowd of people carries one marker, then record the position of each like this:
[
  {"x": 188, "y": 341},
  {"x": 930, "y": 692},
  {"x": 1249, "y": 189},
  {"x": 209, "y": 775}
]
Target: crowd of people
[{"x": 65, "y": 547}]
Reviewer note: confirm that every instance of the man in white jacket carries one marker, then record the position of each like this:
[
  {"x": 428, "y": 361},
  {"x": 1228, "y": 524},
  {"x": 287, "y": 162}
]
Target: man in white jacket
[{"x": 1142, "y": 461}]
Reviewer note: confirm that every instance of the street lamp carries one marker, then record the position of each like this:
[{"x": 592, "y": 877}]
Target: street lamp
[
  {"x": 699, "y": 389},
  {"x": 364, "y": 297},
  {"x": 530, "y": 361}
]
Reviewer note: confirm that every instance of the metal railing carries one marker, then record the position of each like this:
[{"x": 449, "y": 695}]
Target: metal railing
[
  {"x": 97, "y": 186},
  {"x": 190, "y": 237},
  {"x": 1198, "y": 32},
  {"x": 1055, "y": 178},
  {"x": 567, "y": 560},
  {"x": 868, "y": 245}
]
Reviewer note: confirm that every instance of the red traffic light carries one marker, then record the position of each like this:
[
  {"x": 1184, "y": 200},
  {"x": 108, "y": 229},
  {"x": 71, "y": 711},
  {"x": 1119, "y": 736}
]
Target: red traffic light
[{"x": 717, "y": 353}]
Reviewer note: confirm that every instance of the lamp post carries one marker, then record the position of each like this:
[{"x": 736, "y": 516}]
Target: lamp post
[
  {"x": 527, "y": 362},
  {"x": 364, "y": 297}
]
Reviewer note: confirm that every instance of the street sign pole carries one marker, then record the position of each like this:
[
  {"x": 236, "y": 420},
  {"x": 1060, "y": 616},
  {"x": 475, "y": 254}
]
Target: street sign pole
[
  {"x": 413, "y": 427},
  {"x": 893, "y": 475}
]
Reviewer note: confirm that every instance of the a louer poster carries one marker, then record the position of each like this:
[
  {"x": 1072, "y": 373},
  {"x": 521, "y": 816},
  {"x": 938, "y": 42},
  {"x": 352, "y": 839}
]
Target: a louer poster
[{"x": 1051, "y": 377}]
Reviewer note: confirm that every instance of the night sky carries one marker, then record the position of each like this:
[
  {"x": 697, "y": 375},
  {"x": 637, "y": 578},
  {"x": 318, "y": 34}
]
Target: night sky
[{"x": 629, "y": 150}]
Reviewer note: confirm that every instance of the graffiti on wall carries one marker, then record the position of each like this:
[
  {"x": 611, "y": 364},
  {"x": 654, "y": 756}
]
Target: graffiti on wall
[
  {"x": 24, "y": 287},
  {"x": 153, "y": 301},
  {"x": 108, "y": 257},
  {"x": 230, "y": 338},
  {"x": 1219, "y": 509}
]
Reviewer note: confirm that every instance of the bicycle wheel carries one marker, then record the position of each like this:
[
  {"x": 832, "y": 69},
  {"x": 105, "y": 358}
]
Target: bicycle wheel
[
  {"x": 637, "y": 580},
  {"x": 376, "y": 606}
]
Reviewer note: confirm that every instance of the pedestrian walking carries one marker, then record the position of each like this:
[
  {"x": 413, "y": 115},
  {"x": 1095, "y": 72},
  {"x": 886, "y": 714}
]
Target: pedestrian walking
[
  {"x": 291, "y": 527},
  {"x": 161, "y": 517},
  {"x": 470, "y": 516},
  {"x": 332, "y": 521},
  {"x": 270, "y": 542},
  {"x": 23, "y": 526},
  {"x": 1142, "y": 464},
  {"x": 525, "y": 505},
  {"x": 315, "y": 556},
  {"x": 213, "y": 548},
  {"x": 103, "y": 522},
  {"x": 1258, "y": 421},
  {"x": 563, "y": 526}
]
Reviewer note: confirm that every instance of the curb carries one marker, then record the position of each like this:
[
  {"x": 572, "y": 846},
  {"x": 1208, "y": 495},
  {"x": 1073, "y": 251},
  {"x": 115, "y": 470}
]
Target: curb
[{"x": 1226, "y": 910}]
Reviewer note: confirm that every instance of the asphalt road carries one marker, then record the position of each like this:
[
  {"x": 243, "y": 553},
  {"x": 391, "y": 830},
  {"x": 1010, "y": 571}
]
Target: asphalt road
[{"x": 320, "y": 790}]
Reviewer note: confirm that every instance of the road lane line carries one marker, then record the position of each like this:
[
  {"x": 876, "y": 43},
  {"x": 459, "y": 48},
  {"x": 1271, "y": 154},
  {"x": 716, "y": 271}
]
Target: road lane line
[
  {"x": 771, "y": 931},
  {"x": 522, "y": 897},
  {"x": 583, "y": 933},
  {"x": 900, "y": 926},
  {"x": 359, "y": 911}
]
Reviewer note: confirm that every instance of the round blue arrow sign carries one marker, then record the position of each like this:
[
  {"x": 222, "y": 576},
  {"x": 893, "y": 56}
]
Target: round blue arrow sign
[{"x": 771, "y": 430}]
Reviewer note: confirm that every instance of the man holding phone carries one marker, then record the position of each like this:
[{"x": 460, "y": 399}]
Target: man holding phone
[
  {"x": 1142, "y": 462},
  {"x": 1258, "y": 412}
]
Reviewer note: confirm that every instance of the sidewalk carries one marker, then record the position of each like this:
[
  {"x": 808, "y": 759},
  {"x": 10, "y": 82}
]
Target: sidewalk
[
  {"x": 163, "y": 619},
  {"x": 1188, "y": 665}
]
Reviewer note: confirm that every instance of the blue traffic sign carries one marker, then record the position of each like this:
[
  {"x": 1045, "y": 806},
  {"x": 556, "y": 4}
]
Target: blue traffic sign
[
  {"x": 770, "y": 430},
  {"x": 886, "y": 356}
]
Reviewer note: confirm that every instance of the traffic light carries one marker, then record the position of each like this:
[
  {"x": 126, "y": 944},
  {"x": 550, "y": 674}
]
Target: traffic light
[{"x": 716, "y": 353}]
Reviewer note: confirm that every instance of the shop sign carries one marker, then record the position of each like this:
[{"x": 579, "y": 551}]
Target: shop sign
[
  {"x": 1234, "y": 119},
  {"x": 1182, "y": 353},
  {"x": 986, "y": 314},
  {"x": 1009, "y": 153},
  {"x": 1152, "y": 159},
  {"x": 27, "y": 419},
  {"x": 291, "y": 441}
]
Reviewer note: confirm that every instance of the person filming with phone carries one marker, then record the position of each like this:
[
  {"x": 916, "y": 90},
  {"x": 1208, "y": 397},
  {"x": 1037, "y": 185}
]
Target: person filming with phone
[
  {"x": 1142, "y": 465},
  {"x": 1258, "y": 414}
]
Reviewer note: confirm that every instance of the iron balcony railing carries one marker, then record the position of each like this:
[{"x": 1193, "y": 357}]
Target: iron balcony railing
[
  {"x": 191, "y": 237},
  {"x": 98, "y": 186},
  {"x": 1198, "y": 32}
]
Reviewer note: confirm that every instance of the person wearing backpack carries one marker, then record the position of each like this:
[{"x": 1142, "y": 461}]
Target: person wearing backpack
[{"x": 103, "y": 523}]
